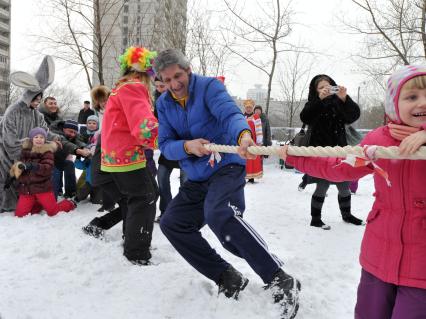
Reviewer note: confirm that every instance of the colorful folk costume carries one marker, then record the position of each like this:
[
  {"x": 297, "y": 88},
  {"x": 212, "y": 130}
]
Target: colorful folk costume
[
  {"x": 129, "y": 127},
  {"x": 254, "y": 167}
]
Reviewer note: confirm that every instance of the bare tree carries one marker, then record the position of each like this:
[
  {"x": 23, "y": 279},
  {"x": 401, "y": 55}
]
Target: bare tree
[
  {"x": 260, "y": 38},
  {"x": 172, "y": 24},
  {"x": 77, "y": 34},
  {"x": 373, "y": 116},
  {"x": 294, "y": 80},
  {"x": 204, "y": 49},
  {"x": 93, "y": 33},
  {"x": 68, "y": 100},
  {"x": 394, "y": 33},
  {"x": 13, "y": 94}
]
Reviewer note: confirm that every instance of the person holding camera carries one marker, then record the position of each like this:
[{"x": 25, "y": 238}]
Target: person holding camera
[{"x": 327, "y": 111}]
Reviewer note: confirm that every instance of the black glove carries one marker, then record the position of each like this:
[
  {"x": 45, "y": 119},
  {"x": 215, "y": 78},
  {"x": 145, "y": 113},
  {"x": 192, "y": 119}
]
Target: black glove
[
  {"x": 9, "y": 181},
  {"x": 28, "y": 166}
]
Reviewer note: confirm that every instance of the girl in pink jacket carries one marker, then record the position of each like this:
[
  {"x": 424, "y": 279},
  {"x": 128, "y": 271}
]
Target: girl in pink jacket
[{"x": 393, "y": 250}]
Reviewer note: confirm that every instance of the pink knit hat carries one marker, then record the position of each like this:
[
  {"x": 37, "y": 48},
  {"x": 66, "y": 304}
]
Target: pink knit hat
[{"x": 394, "y": 85}]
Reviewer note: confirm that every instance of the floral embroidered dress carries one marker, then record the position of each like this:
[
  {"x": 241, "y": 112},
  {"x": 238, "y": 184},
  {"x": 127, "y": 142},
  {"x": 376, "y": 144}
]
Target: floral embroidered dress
[
  {"x": 254, "y": 167},
  {"x": 129, "y": 126}
]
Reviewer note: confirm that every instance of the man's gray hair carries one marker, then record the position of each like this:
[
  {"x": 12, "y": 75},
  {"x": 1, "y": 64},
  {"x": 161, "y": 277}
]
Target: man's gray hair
[{"x": 170, "y": 57}]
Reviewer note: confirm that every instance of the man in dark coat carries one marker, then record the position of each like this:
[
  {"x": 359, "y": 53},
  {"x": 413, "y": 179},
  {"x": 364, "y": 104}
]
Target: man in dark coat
[
  {"x": 50, "y": 110},
  {"x": 71, "y": 145},
  {"x": 84, "y": 113},
  {"x": 165, "y": 166}
]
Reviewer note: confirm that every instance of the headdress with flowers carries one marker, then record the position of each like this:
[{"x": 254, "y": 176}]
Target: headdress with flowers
[
  {"x": 248, "y": 102},
  {"x": 139, "y": 59}
]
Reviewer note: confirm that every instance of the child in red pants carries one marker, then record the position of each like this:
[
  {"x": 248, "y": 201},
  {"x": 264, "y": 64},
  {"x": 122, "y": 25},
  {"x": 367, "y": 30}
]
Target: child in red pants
[{"x": 34, "y": 177}]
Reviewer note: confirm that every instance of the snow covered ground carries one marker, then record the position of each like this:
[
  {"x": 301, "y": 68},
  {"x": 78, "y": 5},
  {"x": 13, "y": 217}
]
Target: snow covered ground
[{"x": 50, "y": 269}]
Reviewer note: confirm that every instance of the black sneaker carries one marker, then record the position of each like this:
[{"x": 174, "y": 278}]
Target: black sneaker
[
  {"x": 93, "y": 230},
  {"x": 351, "y": 219},
  {"x": 231, "y": 282},
  {"x": 285, "y": 291}
]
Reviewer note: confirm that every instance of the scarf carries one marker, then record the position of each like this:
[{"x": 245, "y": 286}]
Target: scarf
[{"x": 399, "y": 132}]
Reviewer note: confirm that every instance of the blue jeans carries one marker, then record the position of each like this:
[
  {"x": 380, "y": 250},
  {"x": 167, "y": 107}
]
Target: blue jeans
[
  {"x": 219, "y": 203},
  {"x": 163, "y": 176},
  {"x": 68, "y": 170}
]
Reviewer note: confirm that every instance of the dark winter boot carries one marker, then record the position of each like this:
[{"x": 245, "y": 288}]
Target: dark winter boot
[
  {"x": 231, "y": 282},
  {"x": 303, "y": 184},
  {"x": 345, "y": 209},
  {"x": 316, "y": 207},
  {"x": 285, "y": 291},
  {"x": 94, "y": 229},
  {"x": 141, "y": 262}
]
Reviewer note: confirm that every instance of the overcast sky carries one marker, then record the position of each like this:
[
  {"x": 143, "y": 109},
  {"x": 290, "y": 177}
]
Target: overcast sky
[{"x": 321, "y": 31}]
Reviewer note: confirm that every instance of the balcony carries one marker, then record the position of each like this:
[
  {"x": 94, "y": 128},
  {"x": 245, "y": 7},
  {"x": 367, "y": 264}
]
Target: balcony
[
  {"x": 4, "y": 66},
  {"x": 4, "y": 14},
  {"x": 4, "y": 40},
  {"x": 4, "y": 53},
  {"x": 4, "y": 26}
]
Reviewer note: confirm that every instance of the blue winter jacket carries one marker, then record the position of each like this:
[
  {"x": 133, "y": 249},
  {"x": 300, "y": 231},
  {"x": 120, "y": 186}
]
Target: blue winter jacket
[{"x": 210, "y": 113}]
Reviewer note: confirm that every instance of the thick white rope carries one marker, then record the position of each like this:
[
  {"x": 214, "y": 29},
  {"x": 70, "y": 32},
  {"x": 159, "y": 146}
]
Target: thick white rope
[{"x": 391, "y": 152}]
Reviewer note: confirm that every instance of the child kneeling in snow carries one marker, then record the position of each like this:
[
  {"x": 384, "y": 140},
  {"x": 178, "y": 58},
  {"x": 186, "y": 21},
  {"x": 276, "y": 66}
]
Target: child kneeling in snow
[
  {"x": 393, "y": 250},
  {"x": 34, "y": 177}
]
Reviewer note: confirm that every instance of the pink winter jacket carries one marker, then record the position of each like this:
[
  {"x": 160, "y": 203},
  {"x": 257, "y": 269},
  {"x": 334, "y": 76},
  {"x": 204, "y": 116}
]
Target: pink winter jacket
[{"x": 394, "y": 244}]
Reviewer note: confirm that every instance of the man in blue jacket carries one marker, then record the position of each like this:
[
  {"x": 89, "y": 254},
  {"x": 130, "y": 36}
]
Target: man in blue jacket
[{"x": 195, "y": 111}]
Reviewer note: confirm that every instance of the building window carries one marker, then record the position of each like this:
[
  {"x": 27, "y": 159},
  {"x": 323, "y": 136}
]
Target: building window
[
  {"x": 126, "y": 8},
  {"x": 125, "y": 19}
]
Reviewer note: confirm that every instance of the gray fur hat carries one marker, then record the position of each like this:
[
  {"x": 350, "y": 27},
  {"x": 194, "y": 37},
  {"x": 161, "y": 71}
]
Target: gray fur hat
[{"x": 35, "y": 84}]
